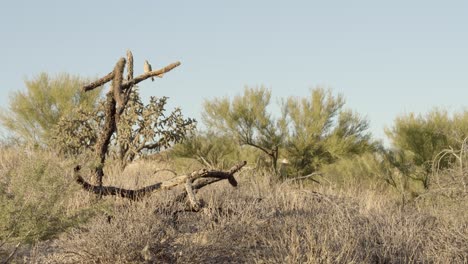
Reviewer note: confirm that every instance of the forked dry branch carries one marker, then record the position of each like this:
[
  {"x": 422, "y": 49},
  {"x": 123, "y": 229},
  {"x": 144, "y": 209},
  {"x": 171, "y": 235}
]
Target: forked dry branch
[
  {"x": 193, "y": 181},
  {"x": 116, "y": 101}
]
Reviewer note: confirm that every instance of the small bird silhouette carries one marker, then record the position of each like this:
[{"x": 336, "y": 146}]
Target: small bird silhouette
[{"x": 147, "y": 68}]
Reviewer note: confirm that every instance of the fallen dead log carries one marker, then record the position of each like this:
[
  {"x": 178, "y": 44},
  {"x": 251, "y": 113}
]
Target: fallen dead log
[{"x": 193, "y": 181}]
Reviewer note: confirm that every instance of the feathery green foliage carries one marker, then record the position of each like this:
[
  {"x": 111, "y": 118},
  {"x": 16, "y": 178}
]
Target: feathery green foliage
[
  {"x": 33, "y": 113},
  {"x": 311, "y": 131},
  {"x": 247, "y": 120},
  {"x": 214, "y": 151},
  {"x": 35, "y": 196},
  {"x": 321, "y": 131},
  {"x": 418, "y": 140}
]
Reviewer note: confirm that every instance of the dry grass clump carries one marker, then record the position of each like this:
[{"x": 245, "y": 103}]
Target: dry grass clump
[
  {"x": 133, "y": 235},
  {"x": 262, "y": 221}
]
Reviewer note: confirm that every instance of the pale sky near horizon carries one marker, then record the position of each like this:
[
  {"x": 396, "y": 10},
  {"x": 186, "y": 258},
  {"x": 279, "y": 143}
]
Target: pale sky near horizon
[{"x": 386, "y": 57}]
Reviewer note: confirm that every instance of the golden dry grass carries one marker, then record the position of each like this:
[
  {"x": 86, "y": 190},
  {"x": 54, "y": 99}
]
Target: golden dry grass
[{"x": 260, "y": 221}]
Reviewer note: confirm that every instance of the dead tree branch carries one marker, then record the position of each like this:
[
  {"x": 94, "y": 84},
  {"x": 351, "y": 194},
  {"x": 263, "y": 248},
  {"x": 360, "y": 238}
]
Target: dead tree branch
[
  {"x": 156, "y": 73},
  {"x": 129, "y": 65},
  {"x": 132, "y": 81},
  {"x": 116, "y": 101},
  {"x": 98, "y": 82},
  {"x": 193, "y": 181}
]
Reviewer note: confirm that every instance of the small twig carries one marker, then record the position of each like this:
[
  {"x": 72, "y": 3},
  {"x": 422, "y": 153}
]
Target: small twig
[
  {"x": 147, "y": 75},
  {"x": 194, "y": 203},
  {"x": 205, "y": 161},
  {"x": 99, "y": 82},
  {"x": 304, "y": 177},
  {"x": 161, "y": 170},
  {"x": 12, "y": 253}
]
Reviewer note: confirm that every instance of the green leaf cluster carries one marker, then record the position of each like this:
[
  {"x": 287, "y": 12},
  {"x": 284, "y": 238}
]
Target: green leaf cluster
[{"x": 34, "y": 112}]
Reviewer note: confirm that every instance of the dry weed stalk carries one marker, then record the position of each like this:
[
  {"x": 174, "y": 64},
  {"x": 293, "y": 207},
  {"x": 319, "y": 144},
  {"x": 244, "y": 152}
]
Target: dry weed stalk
[{"x": 458, "y": 174}]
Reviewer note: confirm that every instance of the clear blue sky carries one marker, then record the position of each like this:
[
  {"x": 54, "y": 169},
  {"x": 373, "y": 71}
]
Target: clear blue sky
[{"x": 386, "y": 57}]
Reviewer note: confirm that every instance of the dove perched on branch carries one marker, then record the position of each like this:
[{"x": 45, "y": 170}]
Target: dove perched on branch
[{"x": 147, "y": 68}]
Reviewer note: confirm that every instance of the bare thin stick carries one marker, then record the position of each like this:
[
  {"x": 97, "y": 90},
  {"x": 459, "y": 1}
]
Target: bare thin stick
[
  {"x": 99, "y": 82},
  {"x": 132, "y": 81},
  {"x": 12, "y": 253},
  {"x": 150, "y": 74}
]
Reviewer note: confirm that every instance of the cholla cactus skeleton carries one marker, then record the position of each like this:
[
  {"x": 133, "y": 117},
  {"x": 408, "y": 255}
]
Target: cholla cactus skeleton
[{"x": 123, "y": 120}]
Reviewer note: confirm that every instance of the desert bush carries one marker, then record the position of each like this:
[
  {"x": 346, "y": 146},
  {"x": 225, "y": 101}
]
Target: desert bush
[
  {"x": 449, "y": 187},
  {"x": 209, "y": 149},
  {"x": 134, "y": 234},
  {"x": 247, "y": 120},
  {"x": 365, "y": 171},
  {"x": 33, "y": 113},
  {"x": 322, "y": 131},
  {"x": 311, "y": 131},
  {"x": 418, "y": 139},
  {"x": 36, "y": 196}
]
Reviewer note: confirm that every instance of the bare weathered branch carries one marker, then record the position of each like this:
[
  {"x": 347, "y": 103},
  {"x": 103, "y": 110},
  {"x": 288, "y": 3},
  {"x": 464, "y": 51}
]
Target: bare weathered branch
[
  {"x": 211, "y": 176},
  {"x": 99, "y": 82},
  {"x": 150, "y": 74},
  {"x": 104, "y": 138},
  {"x": 117, "y": 83},
  {"x": 194, "y": 203},
  {"x": 129, "y": 65},
  {"x": 116, "y": 102},
  {"x": 132, "y": 81}
]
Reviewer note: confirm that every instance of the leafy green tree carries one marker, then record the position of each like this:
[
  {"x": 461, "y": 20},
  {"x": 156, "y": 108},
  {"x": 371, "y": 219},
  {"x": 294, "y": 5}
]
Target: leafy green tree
[
  {"x": 33, "y": 113},
  {"x": 245, "y": 118},
  {"x": 321, "y": 131},
  {"x": 420, "y": 138}
]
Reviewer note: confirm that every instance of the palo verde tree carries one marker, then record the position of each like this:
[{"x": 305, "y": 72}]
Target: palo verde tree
[
  {"x": 311, "y": 131},
  {"x": 419, "y": 139},
  {"x": 33, "y": 113},
  {"x": 246, "y": 120},
  {"x": 209, "y": 149},
  {"x": 321, "y": 131}
]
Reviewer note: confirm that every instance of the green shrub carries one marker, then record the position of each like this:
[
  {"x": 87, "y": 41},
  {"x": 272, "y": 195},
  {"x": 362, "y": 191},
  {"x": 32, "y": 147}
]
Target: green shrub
[
  {"x": 311, "y": 132},
  {"x": 36, "y": 196},
  {"x": 215, "y": 151},
  {"x": 322, "y": 131},
  {"x": 419, "y": 139},
  {"x": 33, "y": 113},
  {"x": 245, "y": 119}
]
